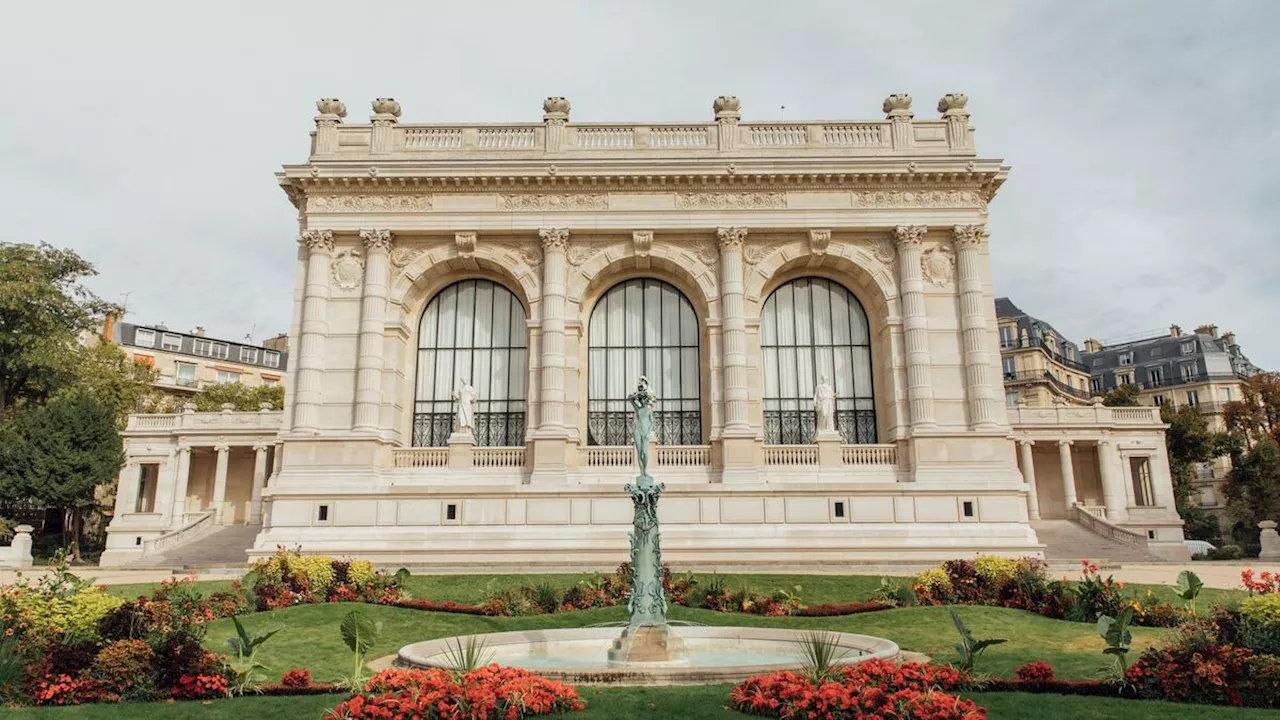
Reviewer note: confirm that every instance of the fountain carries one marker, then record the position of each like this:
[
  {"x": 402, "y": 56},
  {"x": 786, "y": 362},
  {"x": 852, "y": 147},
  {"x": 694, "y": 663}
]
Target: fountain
[{"x": 648, "y": 651}]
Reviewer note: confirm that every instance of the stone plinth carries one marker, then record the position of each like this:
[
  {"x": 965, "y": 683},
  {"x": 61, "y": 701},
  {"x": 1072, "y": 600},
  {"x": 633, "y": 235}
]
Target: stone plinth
[
  {"x": 648, "y": 644},
  {"x": 462, "y": 449},
  {"x": 1270, "y": 541},
  {"x": 829, "y": 452}
]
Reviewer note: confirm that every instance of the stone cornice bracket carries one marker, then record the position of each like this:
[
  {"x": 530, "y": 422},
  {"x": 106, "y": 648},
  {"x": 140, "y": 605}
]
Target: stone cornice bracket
[
  {"x": 554, "y": 238},
  {"x": 909, "y": 235},
  {"x": 376, "y": 240},
  {"x": 555, "y": 113},
  {"x": 466, "y": 243},
  {"x": 727, "y": 109},
  {"x": 818, "y": 241},
  {"x": 731, "y": 237},
  {"x": 642, "y": 243},
  {"x": 969, "y": 235},
  {"x": 317, "y": 240}
]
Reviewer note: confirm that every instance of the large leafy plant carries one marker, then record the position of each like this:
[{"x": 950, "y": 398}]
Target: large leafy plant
[
  {"x": 359, "y": 633},
  {"x": 245, "y": 664},
  {"x": 970, "y": 648},
  {"x": 1115, "y": 630},
  {"x": 1188, "y": 587}
]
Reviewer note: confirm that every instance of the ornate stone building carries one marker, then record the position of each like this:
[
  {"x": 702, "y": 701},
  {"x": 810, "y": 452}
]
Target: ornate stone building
[{"x": 735, "y": 264}]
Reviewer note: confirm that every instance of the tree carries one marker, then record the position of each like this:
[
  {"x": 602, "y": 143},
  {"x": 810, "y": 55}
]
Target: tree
[
  {"x": 1122, "y": 396},
  {"x": 1190, "y": 441},
  {"x": 125, "y": 385},
  {"x": 1257, "y": 413},
  {"x": 1253, "y": 487},
  {"x": 243, "y": 397},
  {"x": 58, "y": 453},
  {"x": 43, "y": 308}
]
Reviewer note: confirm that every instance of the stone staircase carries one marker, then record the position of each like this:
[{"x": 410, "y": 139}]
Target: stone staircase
[
  {"x": 224, "y": 546},
  {"x": 1067, "y": 542}
]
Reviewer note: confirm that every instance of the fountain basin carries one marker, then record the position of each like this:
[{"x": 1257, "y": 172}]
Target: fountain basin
[{"x": 715, "y": 654}]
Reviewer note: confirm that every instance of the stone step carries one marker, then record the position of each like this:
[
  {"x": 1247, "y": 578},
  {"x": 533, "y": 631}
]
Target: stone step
[
  {"x": 224, "y": 547},
  {"x": 1066, "y": 541}
]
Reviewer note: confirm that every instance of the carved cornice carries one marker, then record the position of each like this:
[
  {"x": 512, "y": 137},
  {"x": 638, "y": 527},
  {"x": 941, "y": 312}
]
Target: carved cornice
[
  {"x": 909, "y": 235},
  {"x": 368, "y": 203},
  {"x": 466, "y": 244},
  {"x": 731, "y": 237},
  {"x": 557, "y": 201},
  {"x": 347, "y": 269},
  {"x": 376, "y": 240},
  {"x": 554, "y": 238},
  {"x": 938, "y": 265},
  {"x": 730, "y": 200},
  {"x": 969, "y": 235},
  {"x": 317, "y": 240}
]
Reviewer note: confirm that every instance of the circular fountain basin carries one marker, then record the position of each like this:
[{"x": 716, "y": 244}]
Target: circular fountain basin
[{"x": 715, "y": 654}]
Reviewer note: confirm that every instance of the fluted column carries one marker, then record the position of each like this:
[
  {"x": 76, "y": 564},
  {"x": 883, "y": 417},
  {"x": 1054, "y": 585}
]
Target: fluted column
[
  {"x": 259, "y": 481},
  {"x": 554, "y": 282},
  {"x": 973, "y": 327},
  {"x": 315, "y": 325},
  {"x": 915, "y": 323},
  {"x": 373, "y": 313},
  {"x": 1029, "y": 476},
  {"x": 181, "y": 474},
  {"x": 1068, "y": 473},
  {"x": 220, "y": 482},
  {"x": 1113, "y": 495},
  {"x": 734, "y": 334}
]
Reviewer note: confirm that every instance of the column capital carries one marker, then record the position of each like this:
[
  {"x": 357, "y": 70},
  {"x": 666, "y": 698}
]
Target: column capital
[
  {"x": 317, "y": 240},
  {"x": 222, "y": 447},
  {"x": 1026, "y": 441},
  {"x": 182, "y": 449},
  {"x": 376, "y": 240},
  {"x": 969, "y": 235},
  {"x": 818, "y": 241},
  {"x": 262, "y": 447},
  {"x": 731, "y": 237},
  {"x": 1064, "y": 442},
  {"x": 909, "y": 235},
  {"x": 554, "y": 238}
]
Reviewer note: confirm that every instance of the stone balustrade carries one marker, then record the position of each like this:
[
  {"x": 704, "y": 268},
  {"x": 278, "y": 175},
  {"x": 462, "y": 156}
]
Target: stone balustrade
[
  {"x": 869, "y": 454},
  {"x": 224, "y": 421},
  {"x": 504, "y": 457},
  {"x": 430, "y": 457},
  {"x": 791, "y": 454},
  {"x": 1094, "y": 415}
]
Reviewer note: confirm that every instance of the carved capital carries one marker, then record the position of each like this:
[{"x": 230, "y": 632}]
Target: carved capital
[
  {"x": 222, "y": 447},
  {"x": 969, "y": 235},
  {"x": 731, "y": 237},
  {"x": 317, "y": 240},
  {"x": 376, "y": 240},
  {"x": 1066, "y": 443},
  {"x": 642, "y": 240},
  {"x": 909, "y": 235},
  {"x": 898, "y": 107},
  {"x": 466, "y": 242},
  {"x": 261, "y": 447},
  {"x": 818, "y": 241},
  {"x": 554, "y": 238}
]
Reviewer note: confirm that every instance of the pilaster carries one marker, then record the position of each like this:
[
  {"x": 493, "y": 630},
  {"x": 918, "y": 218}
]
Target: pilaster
[
  {"x": 551, "y": 439},
  {"x": 373, "y": 313},
  {"x": 973, "y": 327},
  {"x": 331, "y": 113},
  {"x": 1113, "y": 495},
  {"x": 386, "y": 113},
  {"x": 315, "y": 326},
  {"x": 897, "y": 109},
  {"x": 259, "y": 482},
  {"x": 915, "y": 326}
]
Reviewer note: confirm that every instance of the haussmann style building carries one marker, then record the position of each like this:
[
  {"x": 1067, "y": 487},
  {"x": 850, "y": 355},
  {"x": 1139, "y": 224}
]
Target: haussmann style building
[{"x": 734, "y": 264}]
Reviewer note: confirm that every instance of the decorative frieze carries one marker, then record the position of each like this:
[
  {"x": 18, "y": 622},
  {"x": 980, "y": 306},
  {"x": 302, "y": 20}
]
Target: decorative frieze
[
  {"x": 558, "y": 201},
  {"x": 368, "y": 203},
  {"x": 347, "y": 269},
  {"x": 580, "y": 253},
  {"x": 917, "y": 199},
  {"x": 731, "y": 200},
  {"x": 938, "y": 265}
]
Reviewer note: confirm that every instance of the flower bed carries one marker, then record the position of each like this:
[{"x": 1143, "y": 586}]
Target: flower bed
[
  {"x": 486, "y": 693},
  {"x": 838, "y": 609}
]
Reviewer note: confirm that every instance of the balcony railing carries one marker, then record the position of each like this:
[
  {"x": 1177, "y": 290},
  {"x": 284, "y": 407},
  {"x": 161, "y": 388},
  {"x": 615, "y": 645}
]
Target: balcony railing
[
  {"x": 869, "y": 454},
  {"x": 230, "y": 420},
  {"x": 790, "y": 454},
  {"x": 499, "y": 456},
  {"x": 420, "y": 458},
  {"x": 1033, "y": 376},
  {"x": 1028, "y": 418},
  {"x": 1020, "y": 344}
]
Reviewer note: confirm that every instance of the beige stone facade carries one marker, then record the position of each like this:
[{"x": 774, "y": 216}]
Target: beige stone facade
[{"x": 732, "y": 262}]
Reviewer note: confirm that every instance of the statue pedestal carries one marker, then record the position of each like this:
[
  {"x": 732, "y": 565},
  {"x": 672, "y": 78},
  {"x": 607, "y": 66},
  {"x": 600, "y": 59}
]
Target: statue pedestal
[
  {"x": 462, "y": 449},
  {"x": 648, "y": 644},
  {"x": 829, "y": 443},
  {"x": 1270, "y": 541}
]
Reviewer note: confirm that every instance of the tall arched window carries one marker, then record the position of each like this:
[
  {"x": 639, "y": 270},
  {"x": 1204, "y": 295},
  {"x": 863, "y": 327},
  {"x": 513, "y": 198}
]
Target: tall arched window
[
  {"x": 473, "y": 330},
  {"x": 812, "y": 327},
  {"x": 643, "y": 327}
]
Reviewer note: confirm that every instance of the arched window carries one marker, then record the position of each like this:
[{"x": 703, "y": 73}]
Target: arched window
[
  {"x": 643, "y": 327},
  {"x": 812, "y": 327},
  {"x": 473, "y": 330}
]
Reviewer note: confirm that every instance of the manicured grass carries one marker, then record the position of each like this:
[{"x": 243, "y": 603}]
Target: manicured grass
[
  {"x": 133, "y": 590},
  {"x": 1016, "y": 706}
]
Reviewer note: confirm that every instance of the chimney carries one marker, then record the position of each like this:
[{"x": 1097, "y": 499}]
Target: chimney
[
  {"x": 198, "y": 332},
  {"x": 1210, "y": 330},
  {"x": 1092, "y": 346},
  {"x": 109, "y": 326},
  {"x": 1229, "y": 339},
  {"x": 1175, "y": 331},
  {"x": 279, "y": 342}
]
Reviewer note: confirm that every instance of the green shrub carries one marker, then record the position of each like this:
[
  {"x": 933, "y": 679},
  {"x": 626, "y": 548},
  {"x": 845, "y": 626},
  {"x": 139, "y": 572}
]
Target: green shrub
[
  {"x": 121, "y": 666},
  {"x": 49, "y": 615},
  {"x": 1226, "y": 552}
]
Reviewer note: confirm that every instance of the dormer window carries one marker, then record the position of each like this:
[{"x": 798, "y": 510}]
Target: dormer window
[{"x": 1126, "y": 358}]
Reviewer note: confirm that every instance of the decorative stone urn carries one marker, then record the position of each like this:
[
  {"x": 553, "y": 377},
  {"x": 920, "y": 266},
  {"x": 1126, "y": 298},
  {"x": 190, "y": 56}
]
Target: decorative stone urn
[
  {"x": 386, "y": 106},
  {"x": 898, "y": 105},
  {"x": 555, "y": 108},
  {"x": 331, "y": 106},
  {"x": 953, "y": 104},
  {"x": 727, "y": 106}
]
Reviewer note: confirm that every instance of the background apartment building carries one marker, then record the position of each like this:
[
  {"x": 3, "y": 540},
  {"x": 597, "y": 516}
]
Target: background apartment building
[
  {"x": 1040, "y": 366},
  {"x": 189, "y": 362}
]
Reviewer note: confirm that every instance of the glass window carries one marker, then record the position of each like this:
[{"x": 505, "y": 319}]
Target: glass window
[
  {"x": 1011, "y": 398},
  {"x": 1193, "y": 397},
  {"x": 271, "y": 358},
  {"x": 1155, "y": 377},
  {"x": 643, "y": 327},
  {"x": 1158, "y": 400},
  {"x": 1189, "y": 372},
  {"x": 144, "y": 337},
  {"x": 248, "y": 354},
  {"x": 171, "y": 342},
  {"x": 1140, "y": 472},
  {"x": 202, "y": 347},
  {"x": 1010, "y": 368},
  {"x": 1188, "y": 348},
  {"x": 1224, "y": 394},
  {"x": 1156, "y": 352},
  {"x": 1126, "y": 358},
  {"x": 1006, "y": 336},
  {"x": 1095, "y": 384},
  {"x": 270, "y": 382},
  {"x": 473, "y": 330},
  {"x": 226, "y": 376},
  {"x": 221, "y": 350},
  {"x": 185, "y": 374},
  {"x": 812, "y": 327}
]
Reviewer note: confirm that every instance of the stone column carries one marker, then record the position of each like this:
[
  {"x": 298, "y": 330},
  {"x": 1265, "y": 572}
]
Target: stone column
[
  {"x": 1162, "y": 479},
  {"x": 181, "y": 476},
  {"x": 127, "y": 488},
  {"x": 973, "y": 327},
  {"x": 1029, "y": 476},
  {"x": 259, "y": 481},
  {"x": 1068, "y": 473},
  {"x": 373, "y": 313},
  {"x": 915, "y": 326},
  {"x": 1113, "y": 495},
  {"x": 315, "y": 325},
  {"x": 555, "y": 113},
  {"x": 220, "y": 482},
  {"x": 734, "y": 332},
  {"x": 551, "y": 438}
]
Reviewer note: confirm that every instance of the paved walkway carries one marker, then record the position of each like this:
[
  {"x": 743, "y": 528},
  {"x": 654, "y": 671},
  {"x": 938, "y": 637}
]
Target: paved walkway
[{"x": 110, "y": 576}]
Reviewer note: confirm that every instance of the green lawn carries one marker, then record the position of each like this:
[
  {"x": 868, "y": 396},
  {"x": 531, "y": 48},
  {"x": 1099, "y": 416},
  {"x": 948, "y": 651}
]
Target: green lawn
[{"x": 647, "y": 703}]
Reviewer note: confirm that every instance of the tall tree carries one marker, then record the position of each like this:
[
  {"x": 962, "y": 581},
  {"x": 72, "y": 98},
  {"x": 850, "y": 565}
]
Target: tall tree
[
  {"x": 1190, "y": 441},
  {"x": 1122, "y": 396},
  {"x": 58, "y": 453},
  {"x": 1253, "y": 487},
  {"x": 43, "y": 307},
  {"x": 1257, "y": 413},
  {"x": 125, "y": 385}
]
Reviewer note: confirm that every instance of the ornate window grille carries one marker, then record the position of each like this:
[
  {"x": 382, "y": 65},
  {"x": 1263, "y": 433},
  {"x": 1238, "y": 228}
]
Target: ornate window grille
[
  {"x": 812, "y": 327},
  {"x": 473, "y": 330},
  {"x": 643, "y": 327}
]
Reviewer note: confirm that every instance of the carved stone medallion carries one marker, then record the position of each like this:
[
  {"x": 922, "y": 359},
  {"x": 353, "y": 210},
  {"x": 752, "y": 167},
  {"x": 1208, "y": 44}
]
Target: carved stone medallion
[
  {"x": 938, "y": 265},
  {"x": 347, "y": 269}
]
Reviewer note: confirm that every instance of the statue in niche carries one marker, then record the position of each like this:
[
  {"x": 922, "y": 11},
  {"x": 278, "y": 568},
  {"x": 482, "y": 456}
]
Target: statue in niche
[
  {"x": 465, "y": 396},
  {"x": 643, "y": 401},
  {"x": 824, "y": 406}
]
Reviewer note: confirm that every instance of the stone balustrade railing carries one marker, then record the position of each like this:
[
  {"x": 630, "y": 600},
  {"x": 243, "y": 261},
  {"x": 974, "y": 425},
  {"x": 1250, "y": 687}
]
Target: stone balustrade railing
[
  {"x": 193, "y": 529},
  {"x": 791, "y": 454},
  {"x": 225, "y": 420},
  {"x": 505, "y": 457},
  {"x": 429, "y": 457},
  {"x": 1100, "y": 526},
  {"x": 684, "y": 455},
  {"x": 869, "y": 454},
  {"x": 624, "y": 456},
  {"x": 1029, "y": 417},
  {"x": 607, "y": 456}
]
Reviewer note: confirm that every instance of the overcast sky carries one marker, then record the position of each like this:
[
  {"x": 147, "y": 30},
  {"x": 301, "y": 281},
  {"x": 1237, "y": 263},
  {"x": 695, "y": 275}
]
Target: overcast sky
[{"x": 1143, "y": 135}]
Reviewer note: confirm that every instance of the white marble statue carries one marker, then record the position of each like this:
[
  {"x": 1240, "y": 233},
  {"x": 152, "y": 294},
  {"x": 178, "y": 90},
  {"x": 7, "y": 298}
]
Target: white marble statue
[
  {"x": 824, "y": 406},
  {"x": 465, "y": 395}
]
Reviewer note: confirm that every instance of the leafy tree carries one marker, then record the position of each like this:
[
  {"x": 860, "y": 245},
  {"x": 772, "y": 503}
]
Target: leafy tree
[
  {"x": 57, "y": 454},
  {"x": 43, "y": 308},
  {"x": 1123, "y": 396},
  {"x": 1253, "y": 487},
  {"x": 243, "y": 397},
  {"x": 125, "y": 385},
  {"x": 1257, "y": 413},
  {"x": 1190, "y": 442}
]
